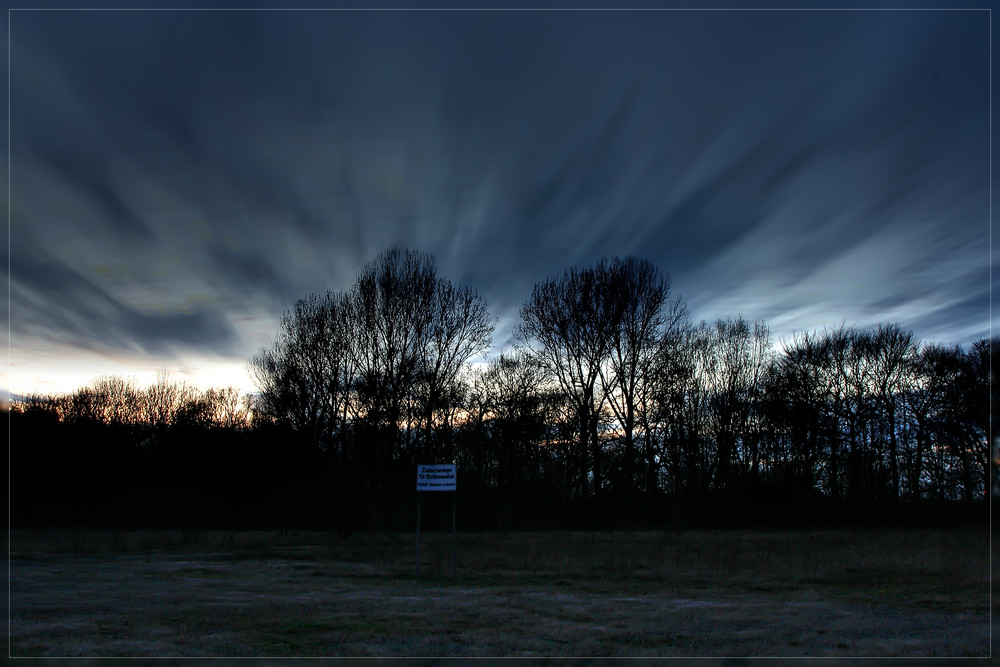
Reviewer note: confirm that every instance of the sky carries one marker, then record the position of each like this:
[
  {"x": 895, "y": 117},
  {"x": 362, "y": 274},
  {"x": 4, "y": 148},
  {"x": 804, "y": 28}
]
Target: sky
[{"x": 177, "y": 179}]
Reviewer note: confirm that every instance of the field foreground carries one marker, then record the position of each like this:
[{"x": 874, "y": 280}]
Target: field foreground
[{"x": 831, "y": 593}]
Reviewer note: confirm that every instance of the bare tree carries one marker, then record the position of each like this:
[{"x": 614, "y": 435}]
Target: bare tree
[
  {"x": 740, "y": 356},
  {"x": 800, "y": 410},
  {"x": 305, "y": 377},
  {"x": 645, "y": 316},
  {"x": 964, "y": 419},
  {"x": 460, "y": 328},
  {"x": 893, "y": 354},
  {"x": 414, "y": 333},
  {"x": 119, "y": 399},
  {"x": 392, "y": 312},
  {"x": 164, "y": 398},
  {"x": 517, "y": 407},
  {"x": 230, "y": 409},
  {"x": 934, "y": 371},
  {"x": 371, "y": 364},
  {"x": 567, "y": 325}
]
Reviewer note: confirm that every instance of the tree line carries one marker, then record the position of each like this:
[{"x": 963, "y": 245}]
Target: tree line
[{"x": 611, "y": 409}]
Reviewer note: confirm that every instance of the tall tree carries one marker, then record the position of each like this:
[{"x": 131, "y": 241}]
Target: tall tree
[
  {"x": 369, "y": 362},
  {"x": 164, "y": 399},
  {"x": 460, "y": 328},
  {"x": 305, "y": 377},
  {"x": 739, "y": 359},
  {"x": 415, "y": 331},
  {"x": 799, "y": 410},
  {"x": 677, "y": 411},
  {"x": 392, "y": 308},
  {"x": 893, "y": 354},
  {"x": 642, "y": 314},
  {"x": 567, "y": 326}
]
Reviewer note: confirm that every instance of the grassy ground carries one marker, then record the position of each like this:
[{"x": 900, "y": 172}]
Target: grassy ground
[{"x": 832, "y": 593}]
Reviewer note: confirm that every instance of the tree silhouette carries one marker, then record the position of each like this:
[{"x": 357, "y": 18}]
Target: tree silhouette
[
  {"x": 305, "y": 377},
  {"x": 460, "y": 328},
  {"x": 737, "y": 365},
  {"x": 612, "y": 410},
  {"x": 567, "y": 325},
  {"x": 644, "y": 315},
  {"x": 352, "y": 373}
]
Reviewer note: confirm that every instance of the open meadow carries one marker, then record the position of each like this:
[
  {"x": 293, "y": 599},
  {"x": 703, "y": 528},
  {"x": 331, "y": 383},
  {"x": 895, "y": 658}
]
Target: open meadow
[{"x": 698, "y": 593}]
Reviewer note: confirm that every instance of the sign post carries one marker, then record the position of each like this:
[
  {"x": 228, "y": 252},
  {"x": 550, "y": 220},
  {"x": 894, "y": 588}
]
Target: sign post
[
  {"x": 418, "y": 535},
  {"x": 438, "y": 478},
  {"x": 454, "y": 503}
]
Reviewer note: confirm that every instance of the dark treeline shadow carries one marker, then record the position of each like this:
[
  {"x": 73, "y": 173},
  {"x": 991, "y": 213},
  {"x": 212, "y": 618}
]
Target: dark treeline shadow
[{"x": 612, "y": 411}]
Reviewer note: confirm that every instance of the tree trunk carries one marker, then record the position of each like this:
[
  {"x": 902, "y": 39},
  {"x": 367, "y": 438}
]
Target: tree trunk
[
  {"x": 596, "y": 446},
  {"x": 893, "y": 463}
]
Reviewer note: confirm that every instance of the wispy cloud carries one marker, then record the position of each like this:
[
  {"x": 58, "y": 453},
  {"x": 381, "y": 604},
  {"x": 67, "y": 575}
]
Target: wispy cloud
[{"x": 179, "y": 180}]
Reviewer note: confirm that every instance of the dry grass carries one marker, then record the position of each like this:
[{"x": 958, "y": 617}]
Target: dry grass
[{"x": 834, "y": 593}]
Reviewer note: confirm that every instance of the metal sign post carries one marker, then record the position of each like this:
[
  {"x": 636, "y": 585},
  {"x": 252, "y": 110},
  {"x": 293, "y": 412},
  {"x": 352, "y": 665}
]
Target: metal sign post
[
  {"x": 454, "y": 503},
  {"x": 418, "y": 535},
  {"x": 438, "y": 478}
]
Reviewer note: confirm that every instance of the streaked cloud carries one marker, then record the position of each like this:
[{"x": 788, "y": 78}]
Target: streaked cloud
[{"x": 179, "y": 179}]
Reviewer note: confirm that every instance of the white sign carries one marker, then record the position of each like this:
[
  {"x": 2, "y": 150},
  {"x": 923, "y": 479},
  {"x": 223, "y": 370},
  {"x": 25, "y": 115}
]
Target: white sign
[{"x": 436, "y": 478}]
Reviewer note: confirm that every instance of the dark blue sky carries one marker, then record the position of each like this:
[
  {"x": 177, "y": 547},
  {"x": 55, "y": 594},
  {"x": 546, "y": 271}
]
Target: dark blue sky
[{"x": 178, "y": 179}]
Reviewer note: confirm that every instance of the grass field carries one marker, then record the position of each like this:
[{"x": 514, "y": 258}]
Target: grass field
[{"x": 830, "y": 593}]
